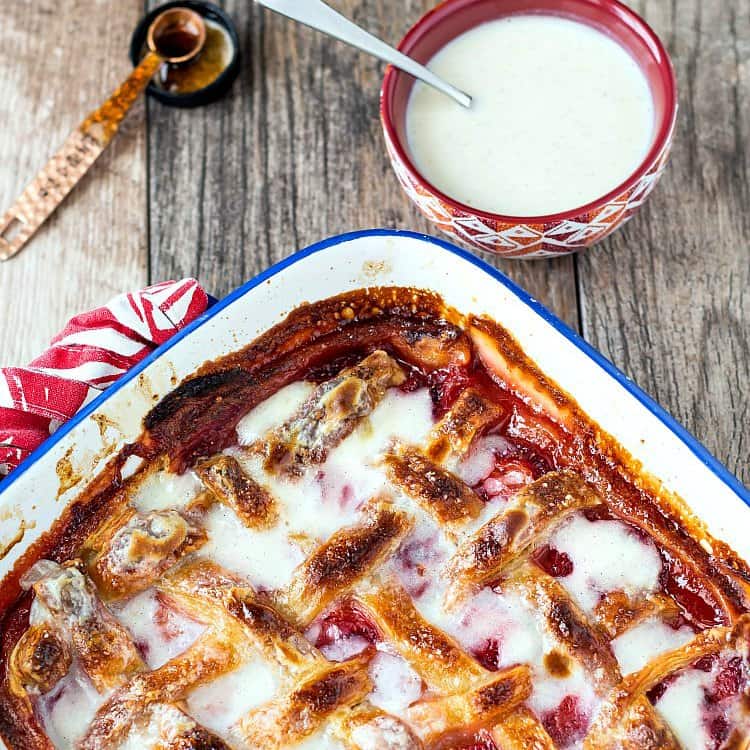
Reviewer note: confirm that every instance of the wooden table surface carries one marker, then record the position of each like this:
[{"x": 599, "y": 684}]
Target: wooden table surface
[{"x": 294, "y": 153}]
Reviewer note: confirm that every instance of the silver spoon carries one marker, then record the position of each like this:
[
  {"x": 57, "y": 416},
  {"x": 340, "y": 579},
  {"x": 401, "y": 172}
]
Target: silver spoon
[{"x": 318, "y": 15}]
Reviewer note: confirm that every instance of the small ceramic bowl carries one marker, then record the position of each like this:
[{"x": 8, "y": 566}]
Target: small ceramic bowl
[{"x": 524, "y": 236}]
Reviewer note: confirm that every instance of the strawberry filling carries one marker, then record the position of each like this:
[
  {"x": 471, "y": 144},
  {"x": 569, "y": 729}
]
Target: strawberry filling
[
  {"x": 553, "y": 562},
  {"x": 446, "y": 386},
  {"x": 488, "y": 655},
  {"x": 505, "y": 465},
  {"x": 507, "y": 478},
  {"x": 729, "y": 681},
  {"x": 567, "y": 723},
  {"x": 169, "y": 623},
  {"x": 347, "y": 621},
  {"x": 718, "y": 730},
  {"x": 728, "y": 678},
  {"x": 498, "y": 467},
  {"x": 721, "y": 697},
  {"x": 694, "y": 601}
]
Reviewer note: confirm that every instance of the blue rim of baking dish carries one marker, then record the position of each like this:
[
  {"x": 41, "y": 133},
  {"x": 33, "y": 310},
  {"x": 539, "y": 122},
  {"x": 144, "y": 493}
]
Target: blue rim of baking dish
[{"x": 700, "y": 451}]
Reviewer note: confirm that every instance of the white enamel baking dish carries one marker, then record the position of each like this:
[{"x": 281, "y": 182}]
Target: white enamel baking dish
[{"x": 34, "y": 496}]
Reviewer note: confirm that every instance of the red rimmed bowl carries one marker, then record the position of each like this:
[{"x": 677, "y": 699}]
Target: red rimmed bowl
[{"x": 535, "y": 236}]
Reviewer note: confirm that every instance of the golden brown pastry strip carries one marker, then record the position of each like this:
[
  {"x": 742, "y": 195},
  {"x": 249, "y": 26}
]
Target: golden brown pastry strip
[
  {"x": 347, "y": 557},
  {"x": 165, "y": 727},
  {"x": 567, "y": 624},
  {"x": 67, "y": 600},
  {"x": 520, "y": 731},
  {"x": 107, "y": 654},
  {"x": 617, "y": 612},
  {"x": 581, "y": 642},
  {"x": 217, "y": 595},
  {"x": 436, "y": 657},
  {"x": 128, "y": 557},
  {"x": 453, "y": 435},
  {"x": 632, "y": 689},
  {"x": 439, "y": 492},
  {"x": 365, "y": 727},
  {"x": 473, "y": 709},
  {"x": 331, "y": 413},
  {"x": 642, "y": 729},
  {"x": 213, "y": 654},
  {"x": 40, "y": 659},
  {"x": 534, "y": 513},
  {"x": 232, "y": 486},
  {"x": 290, "y": 719}
]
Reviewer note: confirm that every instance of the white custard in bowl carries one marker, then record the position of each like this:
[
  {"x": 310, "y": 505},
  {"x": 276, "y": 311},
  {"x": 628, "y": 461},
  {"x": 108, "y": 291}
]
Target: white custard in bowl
[{"x": 562, "y": 114}]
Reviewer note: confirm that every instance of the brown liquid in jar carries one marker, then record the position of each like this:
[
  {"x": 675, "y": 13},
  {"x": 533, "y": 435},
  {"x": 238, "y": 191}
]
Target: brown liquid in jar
[{"x": 202, "y": 70}]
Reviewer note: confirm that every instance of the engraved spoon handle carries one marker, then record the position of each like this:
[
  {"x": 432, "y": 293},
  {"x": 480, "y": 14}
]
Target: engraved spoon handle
[
  {"x": 318, "y": 15},
  {"x": 71, "y": 162}
]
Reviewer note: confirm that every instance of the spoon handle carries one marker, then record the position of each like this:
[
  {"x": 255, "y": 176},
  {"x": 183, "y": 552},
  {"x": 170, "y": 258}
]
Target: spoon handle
[
  {"x": 318, "y": 15},
  {"x": 71, "y": 162}
]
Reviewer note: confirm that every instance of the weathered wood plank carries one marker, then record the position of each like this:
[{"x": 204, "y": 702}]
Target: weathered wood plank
[
  {"x": 294, "y": 154},
  {"x": 59, "y": 61},
  {"x": 667, "y": 298}
]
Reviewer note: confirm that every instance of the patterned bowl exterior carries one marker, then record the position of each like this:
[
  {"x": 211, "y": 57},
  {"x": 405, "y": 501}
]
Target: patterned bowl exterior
[
  {"x": 520, "y": 240},
  {"x": 531, "y": 237}
]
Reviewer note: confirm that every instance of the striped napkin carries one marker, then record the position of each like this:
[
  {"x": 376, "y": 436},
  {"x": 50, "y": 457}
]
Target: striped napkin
[{"x": 91, "y": 353}]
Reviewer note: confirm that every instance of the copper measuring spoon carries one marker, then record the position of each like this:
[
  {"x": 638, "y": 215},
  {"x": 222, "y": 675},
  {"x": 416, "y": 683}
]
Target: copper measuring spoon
[{"x": 176, "y": 36}]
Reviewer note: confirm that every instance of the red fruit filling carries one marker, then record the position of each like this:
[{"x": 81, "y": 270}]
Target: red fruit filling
[
  {"x": 415, "y": 378},
  {"x": 506, "y": 479},
  {"x": 718, "y": 730},
  {"x": 706, "y": 663},
  {"x": 553, "y": 562},
  {"x": 345, "y": 621},
  {"x": 729, "y": 681},
  {"x": 446, "y": 385},
  {"x": 657, "y": 691},
  {"x": 419, "y": 558},
  {"x": 512, "y": 465},
  {"x": 697, "y": 604},
  {"x": 567, "y": 723},
  {"x": 489, "y": 654},
  {"x": 730, "y": 678},
  {"x": 599, "y": 513}
]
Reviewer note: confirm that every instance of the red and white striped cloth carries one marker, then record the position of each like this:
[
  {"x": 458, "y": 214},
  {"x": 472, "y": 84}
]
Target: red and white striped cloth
[{"x": 91, "y": 353}]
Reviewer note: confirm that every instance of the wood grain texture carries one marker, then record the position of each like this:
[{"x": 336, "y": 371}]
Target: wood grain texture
[
  {"x": 57, "y": 62},
  {"x": 667, "y": 299},
  {"x": 294, "y": 154}
]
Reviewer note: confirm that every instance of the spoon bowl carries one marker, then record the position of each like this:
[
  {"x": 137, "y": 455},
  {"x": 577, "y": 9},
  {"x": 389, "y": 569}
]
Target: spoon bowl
[{"x": 177, "y": 35}]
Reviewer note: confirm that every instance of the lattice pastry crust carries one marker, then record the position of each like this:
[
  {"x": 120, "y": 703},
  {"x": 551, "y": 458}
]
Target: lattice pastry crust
[{"x": 377, "y": 527}]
